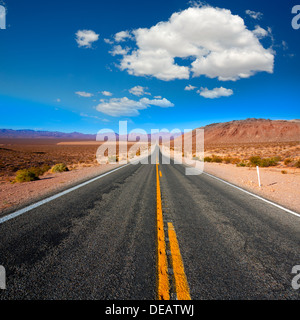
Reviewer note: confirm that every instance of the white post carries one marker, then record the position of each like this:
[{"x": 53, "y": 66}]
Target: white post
[{"x": 258, "y": 176}]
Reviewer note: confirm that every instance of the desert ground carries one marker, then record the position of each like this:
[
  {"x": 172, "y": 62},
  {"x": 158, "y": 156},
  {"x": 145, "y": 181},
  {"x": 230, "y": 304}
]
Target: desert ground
[
  {"x": 280, "y": 182},
  {"x": 18, "y": 154}
]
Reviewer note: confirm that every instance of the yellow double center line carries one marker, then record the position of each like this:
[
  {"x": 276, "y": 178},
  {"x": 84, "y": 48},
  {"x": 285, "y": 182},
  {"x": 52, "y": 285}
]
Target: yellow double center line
[
  {"x": 162, "y": 262},
  {"x": 163, "y": 285}
]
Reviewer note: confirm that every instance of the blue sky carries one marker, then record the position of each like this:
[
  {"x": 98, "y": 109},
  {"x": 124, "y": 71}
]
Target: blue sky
[{"x": 60, "y": 67}]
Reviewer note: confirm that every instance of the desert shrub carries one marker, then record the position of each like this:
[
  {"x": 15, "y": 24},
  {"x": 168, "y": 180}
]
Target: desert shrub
[
  {"x": 36, "y": 170},
  {"x": 207, "y": 159},
  {"x": 235, "y": 160},
  {"x": 227, "y": 160},
  {"x": 297, "y": 164},
  {"x": 241, "y": 164},
  {"x": 39, "y": 171},
  {"x": 25, "y": 175},
  {"x": 265, "y": 162},
  {"x": 216, "y": 159},
  {"x": 45, "y": 168},
  {"x": 287, "y": 161},
  {"x": 60, "y": 167},
  {"x": 255, "y": 160},
  {"x": 268, "y": 162}
]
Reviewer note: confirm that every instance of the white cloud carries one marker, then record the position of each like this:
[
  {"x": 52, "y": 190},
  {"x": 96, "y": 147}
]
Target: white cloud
[
  {"x": 254, "y": 15},
  {"x": 108, "y": 41},
  {"x": 84, "y": 94},
  {"x": 189, "y": 88},
  {"x": 58, "y": 100},
  {"x": 163, "y": 103},
  {"x": 122, "y": 35},
  {"x": 216, "y": 41},
  {"x": 139, "y": 91},
  {"x": 215, "y": 93},
  {"x": 107, "y": 93},
  {"x": 116, "y": 107},
  {"x": 157, "y": 97},
  {"x": 85, "y": 38},
  {"x": 260, "y": 32},
  {"x": 118, "y": 50},
  {"x": 284, "y": 45}
]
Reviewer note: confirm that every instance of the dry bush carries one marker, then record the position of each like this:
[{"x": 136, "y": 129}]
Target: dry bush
[
  {"x": 25, "y": 175},
  {"x": 60, "y": 167}
]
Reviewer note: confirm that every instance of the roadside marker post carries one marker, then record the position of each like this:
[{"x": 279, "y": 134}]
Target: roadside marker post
[{"x": 257, "y": 168}]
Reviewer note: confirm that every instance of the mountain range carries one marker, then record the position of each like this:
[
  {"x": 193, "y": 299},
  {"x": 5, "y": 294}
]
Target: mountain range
[{"x": 237, "y": 131}]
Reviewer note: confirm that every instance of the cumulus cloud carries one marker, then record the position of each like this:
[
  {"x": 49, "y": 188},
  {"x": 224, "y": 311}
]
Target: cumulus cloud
[
  {"x": 215, "y": 93},
  {"x": 189, "y": 88},
  {"x": 260, "y": 32},
  {"x": 85, "y": 38},
  {"x": 84, "y": 94},
  {"x": 118, "y": 50},
  {"x": 139, "y": 91},
  {"x": 254, "y": 15},
  {"x": 116, "y": 107},
  {"x": 107, "y": 93},
  {"x": 217, "y": 43},
  {"x": 122, "y": 35}
]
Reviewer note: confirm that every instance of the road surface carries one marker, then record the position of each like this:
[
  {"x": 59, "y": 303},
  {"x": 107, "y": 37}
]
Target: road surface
[{"x": 100, "y": 241}]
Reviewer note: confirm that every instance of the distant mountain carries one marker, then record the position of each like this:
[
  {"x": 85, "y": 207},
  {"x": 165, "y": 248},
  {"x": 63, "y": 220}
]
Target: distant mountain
[
  {"x": 236, "y": 131},
  {"x": 251, "y": 131},
  {"x": 32, "y": 134}
]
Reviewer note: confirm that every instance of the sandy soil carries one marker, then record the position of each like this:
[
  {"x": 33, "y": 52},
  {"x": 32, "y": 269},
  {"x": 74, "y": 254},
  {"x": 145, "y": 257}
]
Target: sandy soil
[
  {"x": 278, "y": 184},
  {"x": 283, "y": 189},
  {"x": 13, "y": 196}
]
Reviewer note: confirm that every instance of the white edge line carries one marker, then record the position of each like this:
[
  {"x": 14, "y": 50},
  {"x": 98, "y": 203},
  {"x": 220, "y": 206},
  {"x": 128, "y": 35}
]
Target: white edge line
[
  {"x": 39, "y": 203},
  {"x": 254, "y": 195},
  {"x": 250, "y": 193}
]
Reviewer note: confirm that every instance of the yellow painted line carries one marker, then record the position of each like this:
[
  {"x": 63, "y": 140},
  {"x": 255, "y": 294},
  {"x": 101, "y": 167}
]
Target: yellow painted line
[
  {"x": 182, "y": 287},
  {"x": 160, "y": 173},
  {"x": 162, "y": 262}
]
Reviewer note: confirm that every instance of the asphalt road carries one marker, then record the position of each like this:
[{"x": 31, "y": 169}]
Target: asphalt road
[{"x": 99, "y": 241}]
